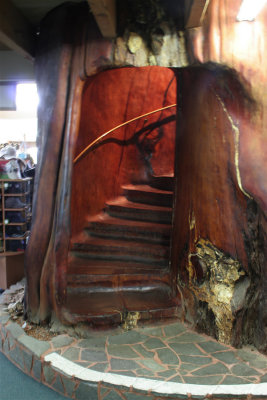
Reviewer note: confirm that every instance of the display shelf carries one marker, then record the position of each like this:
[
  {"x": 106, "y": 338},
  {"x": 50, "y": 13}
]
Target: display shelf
[
  {"x": 15, "y": 223},
  {"x": 12, "y": 253},
  {"x": 14, "y": 180},
  {"x": 16, "y": 209},
  {"x": 16, "y": 194},
  {"x": 21, "y": 189},
  {"x": 22, "y": 237},
  {"x": 12, "y": 262}
]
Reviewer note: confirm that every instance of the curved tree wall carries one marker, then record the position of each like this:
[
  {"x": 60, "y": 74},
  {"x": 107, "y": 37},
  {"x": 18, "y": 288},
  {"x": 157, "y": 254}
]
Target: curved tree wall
[
  {"x": 242, "y": 46},
  {"x": 219, "y": 244},
  {"x": 132, "y": 153}
]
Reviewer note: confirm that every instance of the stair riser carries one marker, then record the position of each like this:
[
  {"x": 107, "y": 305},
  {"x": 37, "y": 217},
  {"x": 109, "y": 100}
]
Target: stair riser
[
  {"x": 83, "y": 266},
  {"x": 161, "y": 252},
  {"x": 123, "y": 257},
  {"x": 121, "y": 264},
  {"x": 114, "y": 319},
  {"x": 156, "y": 199},
  {"x": 97, "y": 303},
  {"x": 163, "y": 183},
  {"x": 140, "y": 215},
  {"x": 145, "y": 270},
  {"x": 121, "y": 282},
  {"x": 126, "y": 233}
]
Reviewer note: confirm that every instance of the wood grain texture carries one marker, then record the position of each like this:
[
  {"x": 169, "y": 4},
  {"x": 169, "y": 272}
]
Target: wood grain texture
[
  {"x": 242, "y": 46},
  {"x": 68, "y": 53},
  {"x": 194, "y": 12},
  {"x": 105, "y": 14},
  {"x": 109, "y": 99},
  {"x": 53, "y": 89},
  {"x": 208, "y": 197},
  {"x": 211, "y": 204},
  {"x": 220, "y": 194}
]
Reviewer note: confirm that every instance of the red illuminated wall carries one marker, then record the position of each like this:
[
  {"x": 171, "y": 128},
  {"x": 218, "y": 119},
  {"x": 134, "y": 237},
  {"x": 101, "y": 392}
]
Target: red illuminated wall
[{"x": 109, "y": 99}]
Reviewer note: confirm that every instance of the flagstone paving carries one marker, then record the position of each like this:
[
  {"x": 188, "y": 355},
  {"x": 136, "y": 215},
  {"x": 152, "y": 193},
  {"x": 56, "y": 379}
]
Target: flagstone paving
[
  {"x": 170, "y": 352},
  {"x": 163, "y": 355}
]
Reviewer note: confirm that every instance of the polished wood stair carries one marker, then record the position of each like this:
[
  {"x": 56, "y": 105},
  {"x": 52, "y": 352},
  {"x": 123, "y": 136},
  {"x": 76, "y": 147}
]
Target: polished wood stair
[{"x": 120, "y": 262}]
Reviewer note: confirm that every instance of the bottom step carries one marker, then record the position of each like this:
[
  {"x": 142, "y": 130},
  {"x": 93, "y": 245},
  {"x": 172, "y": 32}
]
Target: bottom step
[{"x": 106, "y": 306}]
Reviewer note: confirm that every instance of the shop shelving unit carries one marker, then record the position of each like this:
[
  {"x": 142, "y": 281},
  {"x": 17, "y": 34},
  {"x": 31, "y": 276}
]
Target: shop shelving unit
[{"x": 12, "y": 245}]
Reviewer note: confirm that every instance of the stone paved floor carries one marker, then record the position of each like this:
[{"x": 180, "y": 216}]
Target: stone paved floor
[
  {"x": 159, "y": 362},
  {"x": 170, "y": 352}
]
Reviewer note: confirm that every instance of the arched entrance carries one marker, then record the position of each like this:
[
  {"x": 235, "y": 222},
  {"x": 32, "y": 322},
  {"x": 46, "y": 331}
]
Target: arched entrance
[{"x": 122, "y": 195}]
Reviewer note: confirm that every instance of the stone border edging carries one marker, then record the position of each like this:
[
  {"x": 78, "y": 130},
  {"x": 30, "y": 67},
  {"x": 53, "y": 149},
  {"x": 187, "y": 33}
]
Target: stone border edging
[
  {"x": 150, "y": 385},
  {"x": 79, "y": 383}
]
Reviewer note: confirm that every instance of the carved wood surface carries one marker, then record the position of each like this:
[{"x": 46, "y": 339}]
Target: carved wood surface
[
  {"x": 214, "y": 245},
  {"x": 216, "y": 221},
  {"x": 242, "y": 46},
  {"x": 209, "y": 202},
  {"x": 109, "y": 99},
  {"x": 54, "y": 56},
  {"x": 61, "y": 66},
  {"x": 105, "y": 14}
]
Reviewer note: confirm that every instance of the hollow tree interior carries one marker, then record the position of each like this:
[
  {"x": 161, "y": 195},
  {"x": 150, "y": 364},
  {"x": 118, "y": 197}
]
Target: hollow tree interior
[
  {"x": 120, "y": 244},
  {"x": 151, "y": 189}
]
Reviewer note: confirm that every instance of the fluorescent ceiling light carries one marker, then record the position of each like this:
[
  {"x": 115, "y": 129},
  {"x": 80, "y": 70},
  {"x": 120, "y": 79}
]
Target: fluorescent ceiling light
[
  {"x": 26, "y": 97},
  {"x": 250, "y": 9}
]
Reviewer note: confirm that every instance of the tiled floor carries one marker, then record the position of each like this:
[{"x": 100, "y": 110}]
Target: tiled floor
[
  {"x": 166, "y": 352},
  {"x": 167, "y": 361}
]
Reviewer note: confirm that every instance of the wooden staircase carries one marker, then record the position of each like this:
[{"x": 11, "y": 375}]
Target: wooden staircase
[{"x": 120, "y": 262}]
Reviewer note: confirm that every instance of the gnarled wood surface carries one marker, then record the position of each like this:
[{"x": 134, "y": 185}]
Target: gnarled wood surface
[
  {"x": 219, "y": 239},
  {"x": 64, "y": 65},
  {"x": 61, "y": 69},
  {"x": 242, "y": 46},
  {"x": 217, "y": 248}
]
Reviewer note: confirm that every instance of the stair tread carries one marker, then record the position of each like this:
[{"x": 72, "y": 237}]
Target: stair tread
[
  {"x": 102, "y": 242},
  {"x": 170, "y": 175},
  {"x": 120, "y": 261},
  {"x": 123, "y": 202},
  {"x": 79, "y": 265},
  {"x": 109, "y": 220},
  {"x": 147, "y": 189}
]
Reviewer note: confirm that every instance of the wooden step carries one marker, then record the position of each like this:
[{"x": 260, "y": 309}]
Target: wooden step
[
  {"x": 104, "y": 225},
  {"x": 123, "y": 208},
  {"x": 100, "y": 306},
  {"x": 148, "y": 195},
  {"x": 120, "y": 262},
  {"x": 84, "y": 266},
  {"x": 98, "y": 248},
  {"x": 163, "y": 182},
  {"x": 115, "y": 281}
]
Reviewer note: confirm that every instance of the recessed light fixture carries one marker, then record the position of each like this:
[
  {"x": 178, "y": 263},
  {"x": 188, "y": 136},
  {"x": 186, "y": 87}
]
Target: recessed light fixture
[{"x": 250, "y": 9}]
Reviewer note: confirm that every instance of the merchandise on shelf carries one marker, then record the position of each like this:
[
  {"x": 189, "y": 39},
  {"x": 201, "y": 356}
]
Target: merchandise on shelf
[{"x": 15, "y": 214}]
